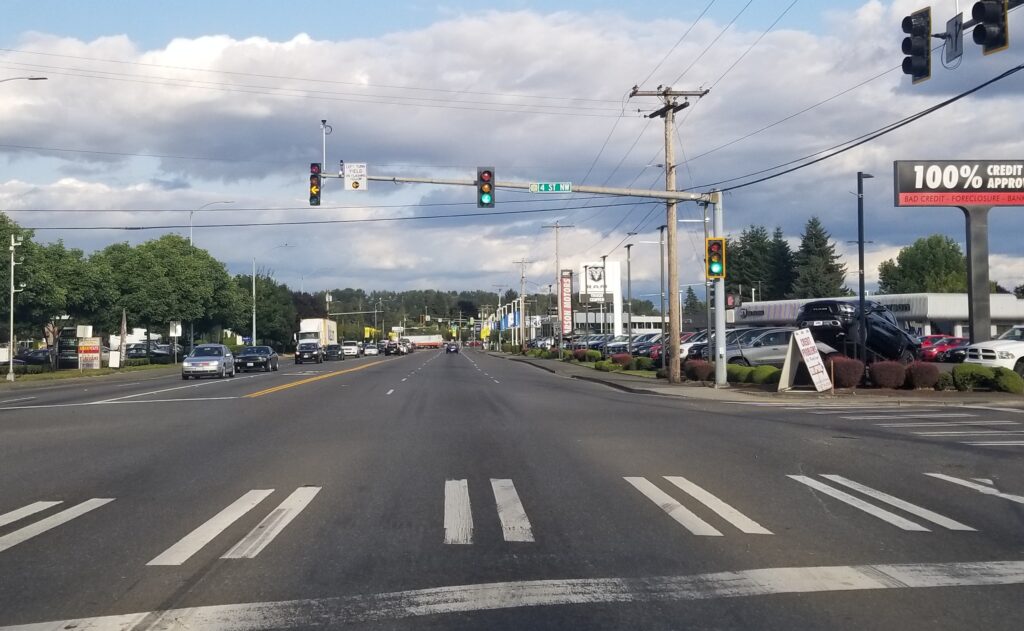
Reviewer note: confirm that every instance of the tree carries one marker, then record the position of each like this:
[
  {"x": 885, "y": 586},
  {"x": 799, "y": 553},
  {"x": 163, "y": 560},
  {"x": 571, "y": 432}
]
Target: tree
[
  {"x": 819, "y": 272},
  {"x": 781, "y": 273},
  {"x": 748, "y": 260},
  {"x": 931, "y": 264},
  {"x": 275, "y": 312},
  {"x": 693, "y": 305},
  {"x": 1019, "y": 291}
]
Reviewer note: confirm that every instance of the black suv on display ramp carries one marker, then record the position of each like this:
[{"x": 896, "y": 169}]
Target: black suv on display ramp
[{"x": 837, "y": 323}]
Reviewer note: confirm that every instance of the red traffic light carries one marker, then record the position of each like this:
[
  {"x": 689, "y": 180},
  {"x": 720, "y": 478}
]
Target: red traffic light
[
  {"x": 486, "y": 176},
  {"x": 314, "y": 168}
]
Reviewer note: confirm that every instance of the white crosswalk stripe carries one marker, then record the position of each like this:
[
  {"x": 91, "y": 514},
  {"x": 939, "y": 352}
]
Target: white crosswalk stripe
[
  {"x": 458, "y": 516},
  {"x": 272, "y": 525},
  {"x": 515, "y": 525},
  {"x": 25, "y": 511},
  {"x": 880, "y": 513},
  {"x": 208, "y": 531},
  {"x": 37, "y": 528},
  {"x": 458, "y": 512},
  {"x": 981, "y": 488},
  {"x": 725, "y": 511},
  {"x": 675, "y": 510}
]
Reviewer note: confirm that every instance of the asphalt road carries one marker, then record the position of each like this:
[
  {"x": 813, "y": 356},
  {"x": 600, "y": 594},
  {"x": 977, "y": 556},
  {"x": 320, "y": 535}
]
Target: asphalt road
[{"x": 466, "y": 491}]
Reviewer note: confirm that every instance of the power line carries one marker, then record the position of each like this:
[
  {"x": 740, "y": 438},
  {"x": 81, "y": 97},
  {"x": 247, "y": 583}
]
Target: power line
[
  {"x": 676, "y": 45},
  {"x": 319, "y": 221},
  {"x": 302, "y": 79},
  {"x": 864, "y": 138},
  {"x": 712, "y": 43}
]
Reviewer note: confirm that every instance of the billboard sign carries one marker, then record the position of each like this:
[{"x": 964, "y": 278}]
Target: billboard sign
[
  {"x": 565, "y": 301},
  {"x": 959, "y": 182},
  {"x": 89, "y": 353}
]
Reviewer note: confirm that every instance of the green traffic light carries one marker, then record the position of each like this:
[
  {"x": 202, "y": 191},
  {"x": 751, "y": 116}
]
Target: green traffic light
[
  {"x": 485, "y": 198},
  {"x": 716, "y": 268}
]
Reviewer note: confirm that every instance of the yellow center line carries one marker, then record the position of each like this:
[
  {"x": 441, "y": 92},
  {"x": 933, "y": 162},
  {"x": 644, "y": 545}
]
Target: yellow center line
[{"x": 301, "y": 382}]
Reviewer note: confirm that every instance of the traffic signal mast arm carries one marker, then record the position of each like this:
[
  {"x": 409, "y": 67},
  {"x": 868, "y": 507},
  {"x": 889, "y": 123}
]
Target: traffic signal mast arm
[{"x": 600, "y": 190}]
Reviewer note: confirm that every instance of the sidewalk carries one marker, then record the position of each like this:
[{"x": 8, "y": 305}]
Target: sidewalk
[{"x": 762, "y": 394}]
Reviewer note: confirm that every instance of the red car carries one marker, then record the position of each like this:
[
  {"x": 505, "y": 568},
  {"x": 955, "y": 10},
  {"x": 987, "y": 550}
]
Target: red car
[
  {"x": 928, "y": 340},
  {"x": 931, "y": 352}
]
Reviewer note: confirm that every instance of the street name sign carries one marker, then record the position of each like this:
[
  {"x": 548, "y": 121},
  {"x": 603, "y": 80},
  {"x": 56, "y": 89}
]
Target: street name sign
[{"x": 551, "y": 187}]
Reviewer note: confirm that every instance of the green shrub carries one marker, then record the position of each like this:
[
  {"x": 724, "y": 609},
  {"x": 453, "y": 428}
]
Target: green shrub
[
  {"x": 644, "y": 363},
  {"x": 592, "y": 356},
  {"x": 136, "y": 361},
  {"x": 765, "y": 374},
  {"x": 607, "y": 366},
  {"x": 967, "y": 377},
  {"x": 945, "y": 382},
  {"x": 888, "y": 374},
  {"x": 734, "y": 373},
  {"x": 662, "y": 373},
  {"x": 922, "y": 375},
  {"x": 1007, "y": 381},
  {"x": 506, "y": 348}
]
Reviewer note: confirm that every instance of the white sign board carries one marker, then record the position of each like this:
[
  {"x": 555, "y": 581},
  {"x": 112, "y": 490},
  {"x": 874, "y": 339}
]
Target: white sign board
[
  {"x": 355, "y": 176},
  {"x": 83, "y": 330},
  {"x": 802, "y": 347},
  {"x": 175, "y": 329},
  {"x": 89, "y": 353},
  {"x": 114, "y": 360}
]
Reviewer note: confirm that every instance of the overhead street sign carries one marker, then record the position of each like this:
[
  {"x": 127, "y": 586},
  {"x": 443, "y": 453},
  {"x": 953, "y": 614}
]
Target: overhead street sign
[
  {"x": 355, "y": 176},
  {"x": 551, "y": 187},
  {"x": 959, "y": 182}
]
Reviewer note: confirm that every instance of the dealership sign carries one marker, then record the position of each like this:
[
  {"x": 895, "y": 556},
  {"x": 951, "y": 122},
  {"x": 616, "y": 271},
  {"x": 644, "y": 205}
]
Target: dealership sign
[
  {"x": 959, "y": 182},
  {"x": 565, "y": 300}
]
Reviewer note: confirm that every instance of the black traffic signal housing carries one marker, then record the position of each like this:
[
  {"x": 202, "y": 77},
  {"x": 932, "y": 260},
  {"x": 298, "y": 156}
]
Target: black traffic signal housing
[
  {"x": 485, "y": 187},
  {"x": 714, "y": 257},
  {"x": 315, "y": 182},
  {"x": 917, "y": 45},
  {"x": 992, "y": 31}
]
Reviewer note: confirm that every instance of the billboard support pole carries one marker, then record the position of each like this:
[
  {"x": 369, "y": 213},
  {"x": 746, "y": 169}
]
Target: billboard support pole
[{"x": 979, "y": 303}]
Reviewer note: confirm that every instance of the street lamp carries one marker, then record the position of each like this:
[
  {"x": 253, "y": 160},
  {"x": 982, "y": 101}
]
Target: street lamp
[
  {"x": 629, "y": 298},
  {"x": 661, "y": 243},
  {"x": 604, "y": 291},
  {"x": 15, "y": 242},
  {"x": 191, "y": 212},
  {"x": 862, "y": 342}
]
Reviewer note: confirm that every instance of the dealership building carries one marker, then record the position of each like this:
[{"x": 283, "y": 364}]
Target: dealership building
[{"x": 923, "y": 314}]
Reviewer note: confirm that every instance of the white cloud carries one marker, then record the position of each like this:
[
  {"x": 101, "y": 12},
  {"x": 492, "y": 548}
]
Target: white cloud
[{"x": 439, "y": 100}]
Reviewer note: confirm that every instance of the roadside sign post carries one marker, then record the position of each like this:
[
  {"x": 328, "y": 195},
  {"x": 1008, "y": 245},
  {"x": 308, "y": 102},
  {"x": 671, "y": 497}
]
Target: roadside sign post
[
  {"x": 175, "y": 333},
  {"x": 89, "y": 357},
  {"x": 973, "y": 186},
  {"x": 803, "y": 348}
]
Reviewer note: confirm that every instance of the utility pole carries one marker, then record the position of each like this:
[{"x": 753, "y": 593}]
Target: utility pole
[
  {"x": 604, "y": 290},
  {"x": 497, "y": 313},
  {"x": 254, "y": 301},
  {"x": 661, "y": 248},
  {"x": 629, "y": 298},
  {"x": 558, "y": 281},
  {"x": 522, "y": 302},
  {"x": 667, "y": 112},
  {"x": 15, "y": 243}
]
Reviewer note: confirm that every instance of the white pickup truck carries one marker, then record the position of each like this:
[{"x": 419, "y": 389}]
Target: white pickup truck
[{"x": 1006, "y": 351}]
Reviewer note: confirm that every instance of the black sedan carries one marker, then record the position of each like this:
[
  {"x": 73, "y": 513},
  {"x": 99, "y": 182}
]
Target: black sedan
[
  {"x": 36, "y": 357},
  {"x": 334, "y": 352},
  {"x": 256, "y": 358},
  {"x": 451, "y": 348}
]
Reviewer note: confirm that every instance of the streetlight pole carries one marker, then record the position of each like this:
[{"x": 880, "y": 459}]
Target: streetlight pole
[
  {"x": 15, "y": 242},
  {"x": 604, "y": 291},
  {"x": 629, "y": 298},
  {"x": 664, "y": 341},
  {"x": 191, "y": 212},
  {"x": 585, "y": 286},
  {"x": 862, "y": 342}
]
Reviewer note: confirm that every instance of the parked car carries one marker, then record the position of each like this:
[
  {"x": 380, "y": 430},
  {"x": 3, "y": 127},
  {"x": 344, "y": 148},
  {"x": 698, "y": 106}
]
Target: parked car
[
  {"x": 699, "y": 350},
  {"x": 928, "y": 340},
  {"x": 211, "y": 360},
  {"x": 836, "y": 323},
  {"x": 955, "y": 355},
  {"x": 932, "y": 352},
  {"x": 309, "y": 351},
  {"x": 256, "y": 358},
  {"x": 33, "y": 357},
  {"x": 333, "y": 352},
  {"x": 1005, "y": 351},
  {"x": 760, "y": 348}
]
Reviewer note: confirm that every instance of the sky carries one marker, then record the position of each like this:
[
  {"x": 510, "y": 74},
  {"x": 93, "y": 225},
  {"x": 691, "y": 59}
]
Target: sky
[{"x": 152, "y": 111}]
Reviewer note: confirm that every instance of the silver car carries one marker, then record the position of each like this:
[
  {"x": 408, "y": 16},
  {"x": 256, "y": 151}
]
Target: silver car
[
  {"x": 212, "y": 360},
  {"x": 767, "y": 348}
]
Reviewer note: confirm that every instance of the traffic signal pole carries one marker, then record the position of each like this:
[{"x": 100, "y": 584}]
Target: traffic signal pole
[{"x": 719, "y": 228}]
